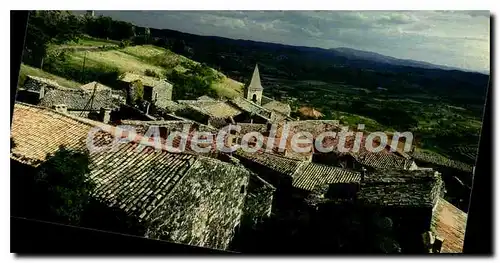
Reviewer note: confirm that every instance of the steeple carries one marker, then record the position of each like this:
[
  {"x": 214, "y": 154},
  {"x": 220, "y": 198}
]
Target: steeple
[
  {"x": 255, "y": 82},
  {"x": 254, "y": 90}
]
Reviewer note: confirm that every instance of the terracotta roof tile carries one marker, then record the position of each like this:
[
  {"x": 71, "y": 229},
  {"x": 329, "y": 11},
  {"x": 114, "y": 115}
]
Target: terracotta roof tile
[
  {"x": 38, "y": 132},
  {"x": 139, "y": 179},
  {"x": 449, "y": 222}
]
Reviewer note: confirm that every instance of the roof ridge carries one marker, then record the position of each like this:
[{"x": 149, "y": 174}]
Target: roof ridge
[
  {"x": 112, "y": 130},
  {"x": 301, "y": 164}
]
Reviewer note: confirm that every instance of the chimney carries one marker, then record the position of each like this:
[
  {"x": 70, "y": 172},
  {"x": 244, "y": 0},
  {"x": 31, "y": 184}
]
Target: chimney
[
  {"x": 62, "y": 108},
  {"x": 41, "y": 92},
  {"x": 438, "y": 244},
  {"x": 147, "y": 107},
  {"x": 105, "y": 115},
  {"x": 363, "y": 173},
  {"x": 428, "y": 240}
]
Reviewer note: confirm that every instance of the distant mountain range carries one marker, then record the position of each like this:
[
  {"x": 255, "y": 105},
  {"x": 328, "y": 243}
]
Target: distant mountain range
[
  {"x": 376, "y": 57},
  {"x": 344, "y": 55}
]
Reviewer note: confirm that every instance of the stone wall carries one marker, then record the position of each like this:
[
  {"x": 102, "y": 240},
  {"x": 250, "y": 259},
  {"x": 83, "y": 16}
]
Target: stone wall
[
  {"x": 259, "y": 201},
  {"x": 162, "y": 94},
  {"x": 205, "y": 208}
]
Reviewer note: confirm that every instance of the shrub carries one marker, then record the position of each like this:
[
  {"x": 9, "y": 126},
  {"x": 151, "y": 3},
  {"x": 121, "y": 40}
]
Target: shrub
[
  {"x": 138, "y": 92},
  {"x": 64, "y": 180},
  {"x": 151, "y": 73},
  {"x": 125, "y": 43}
]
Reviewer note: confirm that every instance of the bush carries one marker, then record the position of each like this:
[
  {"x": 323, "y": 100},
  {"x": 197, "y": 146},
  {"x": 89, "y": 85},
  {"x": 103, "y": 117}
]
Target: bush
[
  {"x": 64, "y": 180},
  {"x": 124, "y": 43},
  {"x": 137, "y": 92},
  {"x": 152, "y": 73}
]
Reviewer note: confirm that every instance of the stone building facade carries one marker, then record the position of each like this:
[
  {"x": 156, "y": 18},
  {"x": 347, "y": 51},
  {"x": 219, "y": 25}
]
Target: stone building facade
[{"x": 156, "y": 91}]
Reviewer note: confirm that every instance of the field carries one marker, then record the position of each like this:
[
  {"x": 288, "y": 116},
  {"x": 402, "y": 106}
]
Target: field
[
  {"x": 436, "y": 125},
  {"x": 438, "y": 122},
  {"x": 27, "y": 70},
  {"x": 94, "y": 59}
]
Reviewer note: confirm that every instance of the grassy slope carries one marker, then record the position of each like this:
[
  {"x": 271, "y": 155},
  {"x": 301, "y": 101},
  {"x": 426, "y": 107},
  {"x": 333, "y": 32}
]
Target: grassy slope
[
  {"x": 139, "y": 58},
  {"x": 27, "y": 70},
  {"x": 88, "y": 41}
]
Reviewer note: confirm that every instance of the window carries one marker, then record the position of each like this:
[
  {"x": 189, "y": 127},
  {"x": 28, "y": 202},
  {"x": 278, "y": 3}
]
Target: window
[
  {"x": 242, "y": 190},
  {"x": 254, "y": 98}
]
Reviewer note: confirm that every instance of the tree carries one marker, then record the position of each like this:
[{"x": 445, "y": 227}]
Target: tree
[
  {"x": 100, "y": 27},
  {"x": 64, "y": 180},
  {"x": 135, "y": 92},
  {"x": 46, "y": 27}
]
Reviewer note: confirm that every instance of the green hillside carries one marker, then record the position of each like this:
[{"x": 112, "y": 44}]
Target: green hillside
[
  {"x": 27, "y": 70},
  {"x": 93, "y": 59}
]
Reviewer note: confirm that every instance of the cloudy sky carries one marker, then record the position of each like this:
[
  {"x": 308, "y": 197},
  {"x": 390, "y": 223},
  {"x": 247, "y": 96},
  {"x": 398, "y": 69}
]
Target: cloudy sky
[{"x": 451, "y": 38}]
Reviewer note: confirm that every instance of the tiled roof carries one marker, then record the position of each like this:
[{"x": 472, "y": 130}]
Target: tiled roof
[
  {"x": 146, "y": 80},
  {"x": 51, "y": 83},
  {"x": 171, "y": 125},
  {"x": 142, "y": 181},
  {"x": 265, "y": 100},
  {"x": 401, "y": 188},
  {"x": 166, "y": 128},
  {"x": 38, "y": 132},
  {"x": 448, "y": 222},
  {"x": 171, "y": 106},
  {"x": 120, "y": 96},
  {"x": 89, "y": 87},
  {"x": 382, "y": 160},
  {"x": 77, "y": 100},
  {"x": 440, "y": 160},
  {"x": 315, "y": 127},
  {"x": 310, "y": 175},
  {"x": 137, "y": 181},
  {"x": 278, "y": 106},
  {"x": 255, "y": 109},
  {"x": 221, "y": 110},
  {"x": 252, "y": 127},
  {"x": 467, "y": 151},
  {"x": 282, "y": 165},
  {"x": 250, "y": 107},
  {"x": 213, "y": 108}
]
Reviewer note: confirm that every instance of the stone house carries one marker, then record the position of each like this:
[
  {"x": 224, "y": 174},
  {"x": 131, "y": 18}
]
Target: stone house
[
  {"x": 414, "y": 201},
  {"x": 457, "y": 175},
  {"x": 215, "y": 113},
  {"x": 118, "y": 95},
  {"x": 80, "y": 103},
  {"x": 156, "y": 91},
  {"x": 34, "y": 89}
]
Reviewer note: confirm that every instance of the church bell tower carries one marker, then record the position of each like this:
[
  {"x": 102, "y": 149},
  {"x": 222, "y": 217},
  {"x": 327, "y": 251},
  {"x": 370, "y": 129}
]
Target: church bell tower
[{"x": 254, "y": 90}]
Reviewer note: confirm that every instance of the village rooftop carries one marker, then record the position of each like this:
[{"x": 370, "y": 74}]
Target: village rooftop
[{"x": 223, "y": 140}]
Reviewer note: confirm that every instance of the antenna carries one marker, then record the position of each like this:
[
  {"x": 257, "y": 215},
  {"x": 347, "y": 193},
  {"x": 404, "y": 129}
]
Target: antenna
[
  {"x": 83, "y": 65},
  {"x": 89, "y": 103}
]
